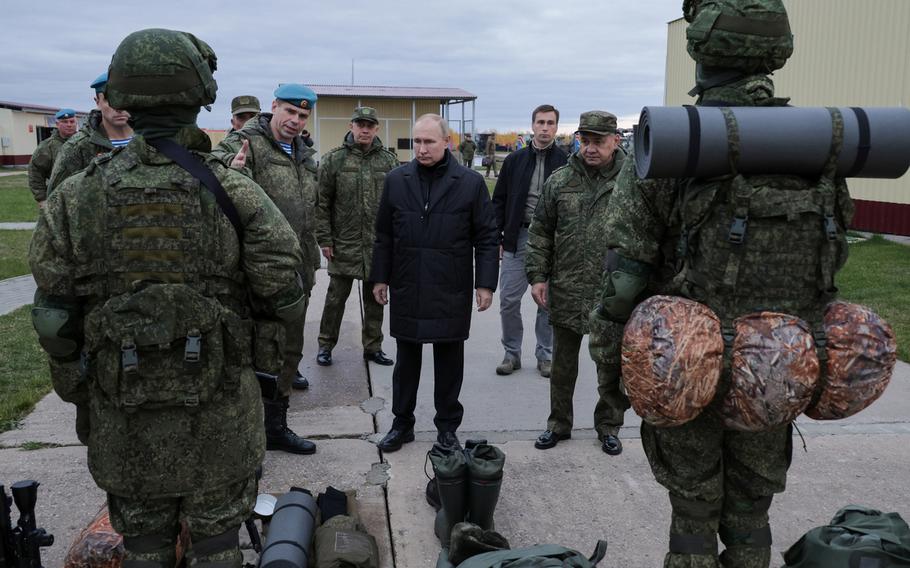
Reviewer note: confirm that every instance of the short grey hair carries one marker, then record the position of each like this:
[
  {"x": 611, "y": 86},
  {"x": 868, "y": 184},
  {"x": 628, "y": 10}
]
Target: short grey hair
[{"x": 441, "y": 122}]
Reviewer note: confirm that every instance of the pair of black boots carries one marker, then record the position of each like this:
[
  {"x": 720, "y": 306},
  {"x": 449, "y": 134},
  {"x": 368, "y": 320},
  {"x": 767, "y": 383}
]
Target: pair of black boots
[{"x": 466, "y": 486}]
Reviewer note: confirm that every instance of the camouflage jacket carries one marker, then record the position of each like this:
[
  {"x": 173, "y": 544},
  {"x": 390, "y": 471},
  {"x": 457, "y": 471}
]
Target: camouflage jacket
[
  {"x": 79, "y": 151},
  {"x": 467, "y": 149},
  {"x": 98, "y": 228},
  {"x": 42, "y": 163},
  {"x": 350, "y": 185},
  {"x": 289, "y": 181},
  {"x": 565, "y": 241}
]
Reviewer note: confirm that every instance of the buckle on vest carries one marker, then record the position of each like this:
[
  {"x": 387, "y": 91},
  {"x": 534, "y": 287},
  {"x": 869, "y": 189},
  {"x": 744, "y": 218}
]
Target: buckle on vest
[
  {"x": 85, "y": 362},
  {"x": 830, "y": 227},
  {"x": 193, "y": 350},
  {"x": 129, "y": 359},
  {"x": 738, "y": 230}
]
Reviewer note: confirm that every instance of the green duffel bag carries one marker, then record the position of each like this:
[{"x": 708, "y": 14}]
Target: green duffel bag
[
  {"x": 342, "y": 542},
  {"x": 540, "y": 556},
  {"x": 857, "y": 537}
]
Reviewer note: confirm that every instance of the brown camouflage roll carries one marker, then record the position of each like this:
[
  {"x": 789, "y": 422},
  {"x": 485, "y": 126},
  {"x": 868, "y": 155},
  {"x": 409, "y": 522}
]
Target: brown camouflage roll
[
  {"x": 774, "y": 372},
  {"x": 861, "y": 356},
  {"x": 672, "y": 355}
]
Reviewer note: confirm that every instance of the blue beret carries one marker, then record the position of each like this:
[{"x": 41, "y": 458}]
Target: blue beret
[
  {"x": 296, "y": 94},
  {"x": 65, "y": 113},
  {"x": 99, "y": 83}
]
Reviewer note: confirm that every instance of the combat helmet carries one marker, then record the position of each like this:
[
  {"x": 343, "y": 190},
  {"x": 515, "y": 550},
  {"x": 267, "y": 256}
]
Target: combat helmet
[
  {"x": 752, "y": 36},
  {"x": 158, "y": 67}
]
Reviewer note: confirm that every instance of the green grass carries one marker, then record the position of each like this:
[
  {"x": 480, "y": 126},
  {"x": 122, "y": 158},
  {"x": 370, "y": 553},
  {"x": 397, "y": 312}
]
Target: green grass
[
  {"x": 877, "y": 275},
  {"x": 24, "y": 375},
  {"x": 14, "y": 253},
  {"x": 16, "y": 201}
]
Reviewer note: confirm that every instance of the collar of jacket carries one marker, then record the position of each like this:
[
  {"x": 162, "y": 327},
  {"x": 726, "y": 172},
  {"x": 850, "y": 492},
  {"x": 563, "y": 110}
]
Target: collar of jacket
[
  {"x": 351, "y": 145},
  {"x": 439, "y": 168},
  {"x": 190, "y": 137},
  {"x": 260, "y": 125}
]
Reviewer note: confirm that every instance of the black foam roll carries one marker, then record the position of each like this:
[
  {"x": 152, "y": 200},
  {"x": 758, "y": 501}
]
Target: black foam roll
[{"x": 690, "y": 141}]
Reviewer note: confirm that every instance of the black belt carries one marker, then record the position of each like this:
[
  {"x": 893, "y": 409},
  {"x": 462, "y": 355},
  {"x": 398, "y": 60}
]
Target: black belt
[{"x": 525, "y": 225}]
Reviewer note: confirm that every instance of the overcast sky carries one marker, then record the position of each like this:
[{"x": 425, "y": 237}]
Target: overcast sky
[{"x": 514, "y": 55}]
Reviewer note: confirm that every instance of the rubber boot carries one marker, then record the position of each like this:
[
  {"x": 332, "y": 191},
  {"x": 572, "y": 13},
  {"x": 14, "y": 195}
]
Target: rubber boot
[
  {"x": 451, "y": 479},
  {"x": 277, "y": 434},
  {"x": 485, "y": 463}
]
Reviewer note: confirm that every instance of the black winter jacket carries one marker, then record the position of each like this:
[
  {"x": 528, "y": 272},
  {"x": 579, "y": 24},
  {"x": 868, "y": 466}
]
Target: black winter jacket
[
  {"x": 511, "y": 193},
  {"x": 433, "y": 254}
]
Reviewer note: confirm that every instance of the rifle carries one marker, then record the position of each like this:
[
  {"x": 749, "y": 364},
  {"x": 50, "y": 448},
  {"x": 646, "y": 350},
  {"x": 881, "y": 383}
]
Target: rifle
[{"x": 20, "y": 546}]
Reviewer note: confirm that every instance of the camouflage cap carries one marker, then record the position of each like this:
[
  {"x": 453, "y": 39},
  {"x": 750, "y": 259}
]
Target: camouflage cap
[
  {"x": 365, "y": 113},
  {"x": 245, "y": 103},
  {"x": 158, "y": 67},
  {"x": 753, "y": 37},
  {"x": 597, "y": 122}
]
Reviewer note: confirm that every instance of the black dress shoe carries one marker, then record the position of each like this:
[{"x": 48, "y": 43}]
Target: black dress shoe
[
  {"x": 448, "y": 439},
  {"x": 379, "y": 358},
  {"x": 393, "y": 441},
  {"x": 300, "y": 382},
  {"x": 324, "y": 357},
  {"x": 549, "y": 439},
  {"x": 611, "y": 445}
]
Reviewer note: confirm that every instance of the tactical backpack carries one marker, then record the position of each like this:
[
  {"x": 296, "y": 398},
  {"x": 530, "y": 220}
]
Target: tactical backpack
[
  {"x": 540, "y": 556},
  {"x": 163, "y": 337},
  {"x": 857, "y": 537},
  {"x": 760, "y": 253}
]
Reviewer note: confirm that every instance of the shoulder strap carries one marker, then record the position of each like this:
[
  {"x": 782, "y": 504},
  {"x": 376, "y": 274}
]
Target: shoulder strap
[{"x": 183, "y": 158}]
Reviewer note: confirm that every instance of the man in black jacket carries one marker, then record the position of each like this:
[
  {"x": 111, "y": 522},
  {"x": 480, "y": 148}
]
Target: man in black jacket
[
  {"x": 433, "y": 229},
  {"x": 514, "y": 200}
]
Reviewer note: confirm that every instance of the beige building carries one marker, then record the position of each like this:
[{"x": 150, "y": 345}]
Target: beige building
[
  {"x": 22, "y": 127},
  {"x": 398, "y": 108},
  {"x": 847, "y": 53}
]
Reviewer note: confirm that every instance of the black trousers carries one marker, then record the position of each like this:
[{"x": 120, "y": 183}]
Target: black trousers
[{"x": 448, "y": 368}]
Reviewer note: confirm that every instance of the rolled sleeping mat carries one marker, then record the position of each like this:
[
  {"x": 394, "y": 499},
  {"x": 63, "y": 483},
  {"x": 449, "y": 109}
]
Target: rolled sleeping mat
[
  {"x": 692, "y": 142},
  {"x": 290, "y": 532}
]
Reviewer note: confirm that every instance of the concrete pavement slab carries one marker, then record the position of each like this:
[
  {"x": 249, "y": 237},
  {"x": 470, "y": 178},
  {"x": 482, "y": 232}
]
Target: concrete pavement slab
[
  {"x": 574, "y": 494},
  {"x": 16, "y": 292},
  {"x": 67, "y": 498},
  {"x": 53, "y": 421}
]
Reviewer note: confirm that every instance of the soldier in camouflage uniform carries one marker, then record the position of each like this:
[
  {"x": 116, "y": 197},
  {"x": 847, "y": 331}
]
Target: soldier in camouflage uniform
[
  {"x": 350, "y": 185},
  {"x": 42, "y": 162},
  {"x": 720, "y": 481},
  {"x": 105, "y": 129},
  {"x": 271, "y": 151},
  {"x": 467, "y": 148},
  {"x": 564, "y": 261},
  {"x": 152, "y": 345}
]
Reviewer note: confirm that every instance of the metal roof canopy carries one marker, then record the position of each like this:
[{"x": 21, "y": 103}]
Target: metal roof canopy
[
  {"x": 40, "y": 109},
  {"x": 446, "y": 96}
]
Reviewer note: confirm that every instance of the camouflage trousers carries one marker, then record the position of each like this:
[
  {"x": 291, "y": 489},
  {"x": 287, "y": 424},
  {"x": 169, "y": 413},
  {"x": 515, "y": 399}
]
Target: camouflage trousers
[
  {"x": 293, "y": 351},
  {"x": 150, "y": 526},
  {"x": 611, "y": 402},
  {"x": 333, "y": 312},
  {"x": 720, "y": 482}
]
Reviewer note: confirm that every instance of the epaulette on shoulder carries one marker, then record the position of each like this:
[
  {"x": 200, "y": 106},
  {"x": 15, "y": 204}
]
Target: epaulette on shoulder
[
  {"x": 106, "y": 157},
  {"x": 392, "y": 154},
  {"x": 560, "y": 169}
]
